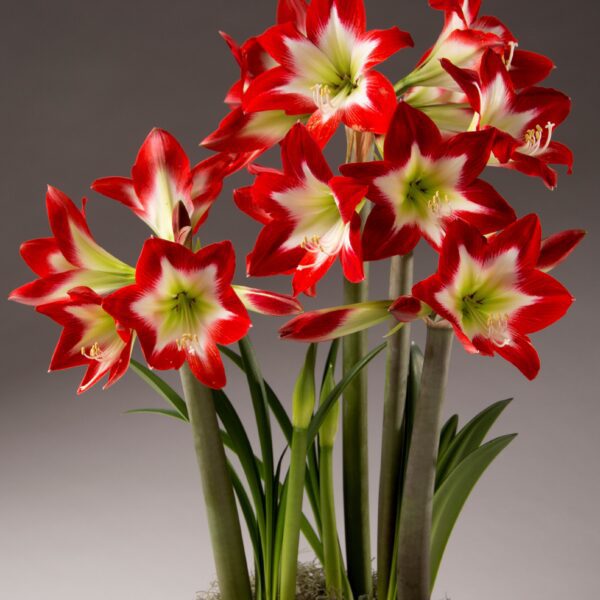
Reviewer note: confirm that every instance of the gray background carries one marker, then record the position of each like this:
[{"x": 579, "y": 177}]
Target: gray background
[{"x": 99, "y": 505}]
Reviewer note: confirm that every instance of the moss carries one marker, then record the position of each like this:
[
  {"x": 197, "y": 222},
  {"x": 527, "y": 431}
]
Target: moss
[{"x": 311, "y": 584}]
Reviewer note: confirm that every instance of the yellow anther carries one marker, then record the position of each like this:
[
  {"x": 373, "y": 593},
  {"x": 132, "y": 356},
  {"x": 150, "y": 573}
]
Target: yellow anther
[
  {"x": 497, "y": 329},
  {"x": 186, "y": 341},
  {"x": 94, "y": 353}
]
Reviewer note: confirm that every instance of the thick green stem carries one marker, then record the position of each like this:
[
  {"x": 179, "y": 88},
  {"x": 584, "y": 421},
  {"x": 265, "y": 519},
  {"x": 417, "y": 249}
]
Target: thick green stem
[
  {"x": 415, "y": 518},
  {"x": 293, "y": 515},
  {"x": 398, "y": 359},
  {"x": 331, "y": 549},
  {"x": 355, "y": 424},
  {"x": 221, "y": 509}
]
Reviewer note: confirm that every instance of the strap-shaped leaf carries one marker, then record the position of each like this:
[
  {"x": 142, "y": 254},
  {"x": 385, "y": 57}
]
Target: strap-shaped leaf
[
  {"x": 275, "y": 404},
  {"x": 447, "y": 435},
  {"x": 450, "y": 498},
  {"x": 166, "y": 412},
  {"x": 468, "y": 439},
  {"x": 243, "y": 448},
  {"x": 162, "y": 388},
  {"x": 338, "y": 390}
]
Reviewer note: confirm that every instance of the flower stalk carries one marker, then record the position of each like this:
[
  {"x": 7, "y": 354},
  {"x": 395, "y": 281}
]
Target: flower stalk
[
  {"x": 355, "y": 422},
  {"x": 331, "y": 548},
  {"x": 302, "y": 411},
  {"x": 415, "y": 519},
  {"x": 397, "y": 365},
  {"x": 221, "y": 510}
]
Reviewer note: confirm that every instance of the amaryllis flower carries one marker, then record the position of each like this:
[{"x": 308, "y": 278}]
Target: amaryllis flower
[
  {"x": 492, "y": 292},
  {"x": 181, "y": 306},
  {"x": 162, "y": 177},
  {"x": 69, "y": 259},
  {"x": 526, "y": 119},
  {"x": 91, "y": 338},
  {"x": 328, "y": 72},
  {"x": 252, "y": 58},
  {"x": 330, "y": 323},
  {"x": 424, "y": 183},
  {"x": 464, "y": 38},
  {"x": 314, "y": 217},
  {"x": 252, "y": 133}
]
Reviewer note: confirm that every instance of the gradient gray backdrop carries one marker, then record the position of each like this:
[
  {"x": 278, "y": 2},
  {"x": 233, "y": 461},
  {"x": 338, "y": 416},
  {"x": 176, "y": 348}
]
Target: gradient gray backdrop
[{"x": 101, "y": 506}]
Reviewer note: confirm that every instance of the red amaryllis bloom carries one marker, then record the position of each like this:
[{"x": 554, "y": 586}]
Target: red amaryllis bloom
[
  {"x": 181, "y": 306},
  {"x": 253, "y": 133},
  {"x": 70, "y": 259},
  {"x": 464, "y": 38},
  {"x": 329, "y": 71},
  {"x": 314, "y": 217},
  {"x": 526, "y": 120},
  {"x": 424, "y": 183},
  {"x": 91, "y": 337},
  {"x": 162, "y": 177},
  {"x": 492, "y": 292}
]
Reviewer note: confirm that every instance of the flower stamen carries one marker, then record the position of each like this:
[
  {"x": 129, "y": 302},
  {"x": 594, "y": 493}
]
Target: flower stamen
[
  {"x": 511, "y": 55},
  {"x": 497, "y": 329},
  {"x": 534, "y": 138}
]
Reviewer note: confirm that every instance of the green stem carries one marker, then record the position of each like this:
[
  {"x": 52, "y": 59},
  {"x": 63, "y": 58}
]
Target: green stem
[
  {"x": 331, "y": 551},
  {"x": 293, "y": 513},
  {"x": 355, "y": 423},
  {"x": 221, "y": 509},
  {"x": 415, "y": 518},
  {"x": 398, "y": 359}
]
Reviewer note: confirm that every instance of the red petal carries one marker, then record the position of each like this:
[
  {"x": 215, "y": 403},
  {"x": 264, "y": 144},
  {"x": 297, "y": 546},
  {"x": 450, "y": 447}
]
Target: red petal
[
  {"x": 42, "y": 256},
  {"x": 496, "y": 213},
  {"x": 552, "y": 300},
  {"x": 348, "y": 195},
  {"x": 556, "y": 248},
  {"x": 119, "y": 189},
  {"x": 207, "y": 366},
  {"x": 410, "y": 126},
  {"x": 161, "y": 156},
  {"x": 524, "y": 236},
  {"x": 389, "y": 41},
  {"x": 350, "y": 12},
  {"x": 265, "y": 93},
  {"x": 381, "y": 240},
  {"x": 351, "y": 253},
  {"x": 521, "y": 353},
  {"x": 299, "y": 149},
  {"x": 529, "y": 68},
  {"x": 375, "y": 114}
]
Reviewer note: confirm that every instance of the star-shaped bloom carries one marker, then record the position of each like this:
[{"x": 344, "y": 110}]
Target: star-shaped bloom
[
  {"x": 311, "y": 218},
  {"x": 181, "y": 306},
  {"x": 492, "y": 292},
  {"x": 91, "y": 337},
  {"x": 424, "y": 183},
  {"x": 162, "y": 179},
  {"x": 70, "y": 259},
  {"x": 327, "y": 72},
  {"x": 526, "y": 119}
]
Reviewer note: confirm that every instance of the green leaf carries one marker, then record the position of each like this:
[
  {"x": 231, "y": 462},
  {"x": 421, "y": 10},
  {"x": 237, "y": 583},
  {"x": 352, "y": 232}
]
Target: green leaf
[
  {"x": 304, "y": 396},
  {"x": 447, "y": 435},
  {"x": 243, "y": 448},
  {"x": 450, "y": 498},
  {"x": 338, "y": 390},
  {"x": 275, "y": 404},
  {"x": 157, "y": 411},
  {"x": 162, "y": 387},
  {"x": 468, "y": 439}
]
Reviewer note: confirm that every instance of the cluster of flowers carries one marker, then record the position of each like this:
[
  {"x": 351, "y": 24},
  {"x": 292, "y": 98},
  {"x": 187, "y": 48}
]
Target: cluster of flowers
[{"x": 472, "y": 101}]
